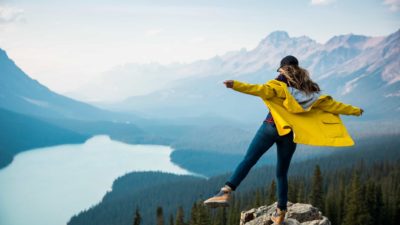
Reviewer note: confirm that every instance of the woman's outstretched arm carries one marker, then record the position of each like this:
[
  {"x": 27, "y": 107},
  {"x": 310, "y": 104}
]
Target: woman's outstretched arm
[
  {"x": 261, "y": 90},
  {"x": 337, "y": 107}
]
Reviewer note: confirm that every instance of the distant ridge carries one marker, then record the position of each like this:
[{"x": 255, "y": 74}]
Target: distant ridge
[{"x": 20, "y": 93}]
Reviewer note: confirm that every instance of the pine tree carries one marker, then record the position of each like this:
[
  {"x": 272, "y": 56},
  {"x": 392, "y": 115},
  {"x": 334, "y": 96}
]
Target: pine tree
[
  {"x": 180, "y": 216},
  {"x": 356, "y": 212},
  {"x": 272, "y": 192},
  {"x": 379, "y": 204},
  {"x": 351, "y": 204},
  {"x": 233, "y": 216},
  {"x": 231, "y": 212},
  {"x": 138, "y": 218},
  {"x": 203, "y": 215},
  {"x": 194, "y": 220},
  {"x": 220, "y": 218},
  {"x": 316, "y": 196},
  {"x": 300, "y": 193},
  {"x": 342, "y": 200},
  {"x": 370, "y": 199},
  {"x": 160, "y": 216},
  {"x": 257, "y": 201},
  {"x": 236, "y": 215},
  {"x": 364, "y": 216},
  {"x": 292, "y": 190},
  {"x": 331, "y": 204},
  {"x": 396, "y": 216},
  {"x": 171, "y": 219}
]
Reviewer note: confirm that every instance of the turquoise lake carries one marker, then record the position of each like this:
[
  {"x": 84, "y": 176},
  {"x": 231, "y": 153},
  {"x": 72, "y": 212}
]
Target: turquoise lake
[{"x": 47, "y": 186}]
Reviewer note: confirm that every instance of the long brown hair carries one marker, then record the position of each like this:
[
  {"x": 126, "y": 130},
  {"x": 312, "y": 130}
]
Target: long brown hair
[{"x": 300, "y": 78}]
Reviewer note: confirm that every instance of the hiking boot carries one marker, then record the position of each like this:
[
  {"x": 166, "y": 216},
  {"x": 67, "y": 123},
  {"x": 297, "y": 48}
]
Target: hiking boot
[
  {"x": 278, "y": 216},
  {"x": 221, "y": 198}
]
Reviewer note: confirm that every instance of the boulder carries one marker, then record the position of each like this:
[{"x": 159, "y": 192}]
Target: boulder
[{"x": 297, "y": 214}]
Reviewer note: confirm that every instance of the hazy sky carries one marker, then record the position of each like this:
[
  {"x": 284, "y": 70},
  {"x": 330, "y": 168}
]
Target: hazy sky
[{"x": 65, "y": 43}]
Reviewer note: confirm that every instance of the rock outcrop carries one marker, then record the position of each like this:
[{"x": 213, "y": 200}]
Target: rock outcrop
[{"x": 297, "y": 214}]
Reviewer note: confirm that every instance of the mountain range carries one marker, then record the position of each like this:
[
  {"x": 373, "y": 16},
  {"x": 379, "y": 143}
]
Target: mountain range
[
  {"x": 355, "y": 69},
  {"x": 193, "y": 102}
]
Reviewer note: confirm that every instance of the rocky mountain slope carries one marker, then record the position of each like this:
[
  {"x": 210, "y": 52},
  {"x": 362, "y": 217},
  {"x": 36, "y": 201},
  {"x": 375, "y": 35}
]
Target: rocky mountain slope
[
  {"x": 22, "y": 94},
  {"x": 355, "y": 69}
]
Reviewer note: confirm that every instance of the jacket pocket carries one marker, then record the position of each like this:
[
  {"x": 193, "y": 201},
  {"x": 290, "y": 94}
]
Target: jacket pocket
[{"x": 332, "y": 126}]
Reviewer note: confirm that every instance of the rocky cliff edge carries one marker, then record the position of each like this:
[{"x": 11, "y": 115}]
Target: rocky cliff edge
[{"x": 297, "y": 214}]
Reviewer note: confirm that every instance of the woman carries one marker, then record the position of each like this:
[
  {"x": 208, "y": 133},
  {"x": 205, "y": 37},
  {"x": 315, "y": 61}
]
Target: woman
[{"x": 298, "y": 114}]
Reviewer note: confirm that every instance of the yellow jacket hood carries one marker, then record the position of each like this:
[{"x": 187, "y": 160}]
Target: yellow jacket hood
[{"x": 296, "y": 101}]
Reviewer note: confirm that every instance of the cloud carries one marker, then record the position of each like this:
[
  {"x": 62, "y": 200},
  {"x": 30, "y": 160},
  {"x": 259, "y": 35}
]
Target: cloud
[
  {"x": 394, "y": 5},
  {"x": 196, "y": 40},
  {"x": 153, "y": 32},
  {"x": 11, "y": 14},
  {"x": 321, "y": 2}
]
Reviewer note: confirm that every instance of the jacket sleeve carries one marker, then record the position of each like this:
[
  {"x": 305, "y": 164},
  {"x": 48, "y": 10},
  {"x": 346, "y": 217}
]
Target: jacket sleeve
[
  {"x": 262, "y": 90},
  {"x": 337, "y": 107}
]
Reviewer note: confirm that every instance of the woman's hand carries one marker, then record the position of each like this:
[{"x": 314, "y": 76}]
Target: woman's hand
[{"x": 228, "y": 83}]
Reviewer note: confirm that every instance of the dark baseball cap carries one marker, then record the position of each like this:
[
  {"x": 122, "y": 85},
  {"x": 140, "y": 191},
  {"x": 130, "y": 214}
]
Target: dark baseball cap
[{"x": 288, "y": 60}]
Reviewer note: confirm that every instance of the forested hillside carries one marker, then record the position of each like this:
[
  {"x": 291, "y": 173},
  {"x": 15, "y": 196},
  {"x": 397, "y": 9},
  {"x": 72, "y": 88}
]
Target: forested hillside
[
  {"x": 345, "y": 179},
  {"x": 221, "y": 162},
  {"x": 20, "y": 132},
  {"x": 363, "y": 194}
]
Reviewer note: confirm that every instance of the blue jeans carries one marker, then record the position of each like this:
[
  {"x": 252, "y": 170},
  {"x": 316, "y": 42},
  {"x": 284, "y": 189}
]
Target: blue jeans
[{"x": 265, "y": 137}]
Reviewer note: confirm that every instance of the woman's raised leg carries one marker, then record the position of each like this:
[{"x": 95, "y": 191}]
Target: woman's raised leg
[{"x": 262, "y": 141}]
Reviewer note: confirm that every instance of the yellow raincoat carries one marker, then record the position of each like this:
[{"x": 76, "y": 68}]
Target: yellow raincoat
[{"x": 318, "y": 125}]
